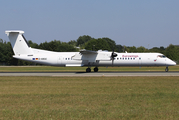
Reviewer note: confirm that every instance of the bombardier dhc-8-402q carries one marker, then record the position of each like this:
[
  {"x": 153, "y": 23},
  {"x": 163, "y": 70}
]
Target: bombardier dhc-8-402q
[{"x": 83, "y": 58}]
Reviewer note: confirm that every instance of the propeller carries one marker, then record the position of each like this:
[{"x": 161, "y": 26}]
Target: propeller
[{"x": 113, "y": 55}]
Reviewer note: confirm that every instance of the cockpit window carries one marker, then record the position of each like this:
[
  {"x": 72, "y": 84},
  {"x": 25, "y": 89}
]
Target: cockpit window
[{"x": 161, "y": 56}]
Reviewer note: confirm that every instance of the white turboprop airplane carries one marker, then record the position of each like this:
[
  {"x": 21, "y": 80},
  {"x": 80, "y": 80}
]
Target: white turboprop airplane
[{"x": 83, "y": 58}]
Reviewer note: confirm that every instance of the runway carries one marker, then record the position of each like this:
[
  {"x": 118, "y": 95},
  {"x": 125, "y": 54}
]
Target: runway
[{"x": 91, "y": 74}]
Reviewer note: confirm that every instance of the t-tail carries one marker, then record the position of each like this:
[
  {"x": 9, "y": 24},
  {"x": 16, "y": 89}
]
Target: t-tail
[{"x": 19, "y": 44}]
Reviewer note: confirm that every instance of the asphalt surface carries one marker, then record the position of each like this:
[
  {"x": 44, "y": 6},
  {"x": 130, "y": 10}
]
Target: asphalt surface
[{"x": 91, "y": 74}]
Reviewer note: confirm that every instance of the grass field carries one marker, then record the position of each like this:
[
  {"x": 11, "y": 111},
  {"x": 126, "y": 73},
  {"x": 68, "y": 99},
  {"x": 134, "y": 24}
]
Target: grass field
[
  {"x": 79, "y": 69},
  {"x": 110, "y": 98}
]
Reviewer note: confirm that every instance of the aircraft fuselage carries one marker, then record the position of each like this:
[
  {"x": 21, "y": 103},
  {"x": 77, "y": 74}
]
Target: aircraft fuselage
[{"x": 123, "y": 59}]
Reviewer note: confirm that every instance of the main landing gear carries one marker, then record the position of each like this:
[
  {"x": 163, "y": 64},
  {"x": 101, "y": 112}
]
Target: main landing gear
[
  {"x": 166, "y": 69},
  {"x": 96, "y": 69},
  {"x": 89, "y": 69}
]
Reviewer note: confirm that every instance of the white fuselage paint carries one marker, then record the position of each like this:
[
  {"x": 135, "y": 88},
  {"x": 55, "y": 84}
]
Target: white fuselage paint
[{"x": 122, "y": 59}]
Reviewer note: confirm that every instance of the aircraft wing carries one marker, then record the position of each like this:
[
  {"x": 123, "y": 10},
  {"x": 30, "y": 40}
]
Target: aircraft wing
[
  {"x": 88, "y": 52},
  {"x": 92, "y": 56}
]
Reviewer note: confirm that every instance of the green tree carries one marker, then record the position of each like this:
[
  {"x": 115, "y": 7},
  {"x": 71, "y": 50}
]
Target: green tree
[
  {"x": 172, "y": 52},
  {"x": 32, "y": 45},
  {"x": 65, "y": 47},
  {"x": 72, "y": 42},
  {"x": 2, "y": 53},
  {"x": 132, "y": 49},
  {"x": 141, "y": 49},
  {"x": 6, "y": 53},
  {"x": 97, "y": 44},
  {"x": 125, "y": 48},
  {"x": 57, "y": 46},
  {"x": 9, "y": 53},
  {"x": 111, "y": 43},
  {"x": 159, "y": 50},
  {"x": 82, "y": 40},
  {"x": 119, "y": 48}
]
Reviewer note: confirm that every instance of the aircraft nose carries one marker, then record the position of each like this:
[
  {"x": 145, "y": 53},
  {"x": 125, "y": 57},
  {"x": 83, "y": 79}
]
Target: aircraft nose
[
  {"x": 171, "y": 63},
  {"x": 174, "y": 63}
]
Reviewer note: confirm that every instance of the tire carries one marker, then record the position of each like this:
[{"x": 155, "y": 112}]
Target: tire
[
  {"x": 88, "y": 69},
  {"x": 95, "y": 69}
]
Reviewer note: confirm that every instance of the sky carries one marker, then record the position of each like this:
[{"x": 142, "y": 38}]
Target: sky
[{"x": 147, "y": 23}]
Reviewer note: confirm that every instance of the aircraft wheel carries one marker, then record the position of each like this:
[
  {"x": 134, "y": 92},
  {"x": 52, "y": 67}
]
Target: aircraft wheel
[
  {"x": 95, "y": 69},
  {"x": 88, "y": 69},
  {"x": 166, "y": 69}
]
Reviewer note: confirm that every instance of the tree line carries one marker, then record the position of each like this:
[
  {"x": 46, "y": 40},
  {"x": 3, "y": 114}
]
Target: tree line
[{"x": 83, "y": 42}]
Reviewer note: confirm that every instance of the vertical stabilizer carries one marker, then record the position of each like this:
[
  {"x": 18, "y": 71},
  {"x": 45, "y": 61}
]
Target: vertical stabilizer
[{"x": 18, "y": 42}]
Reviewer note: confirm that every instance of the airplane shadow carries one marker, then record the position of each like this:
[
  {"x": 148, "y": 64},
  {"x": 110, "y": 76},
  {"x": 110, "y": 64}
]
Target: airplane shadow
[{"x": 126, "y": 72}]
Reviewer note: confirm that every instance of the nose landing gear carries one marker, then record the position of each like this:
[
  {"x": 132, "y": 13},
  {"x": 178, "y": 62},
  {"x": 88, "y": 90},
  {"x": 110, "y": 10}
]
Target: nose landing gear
[{"x": 166, "y": 69}]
